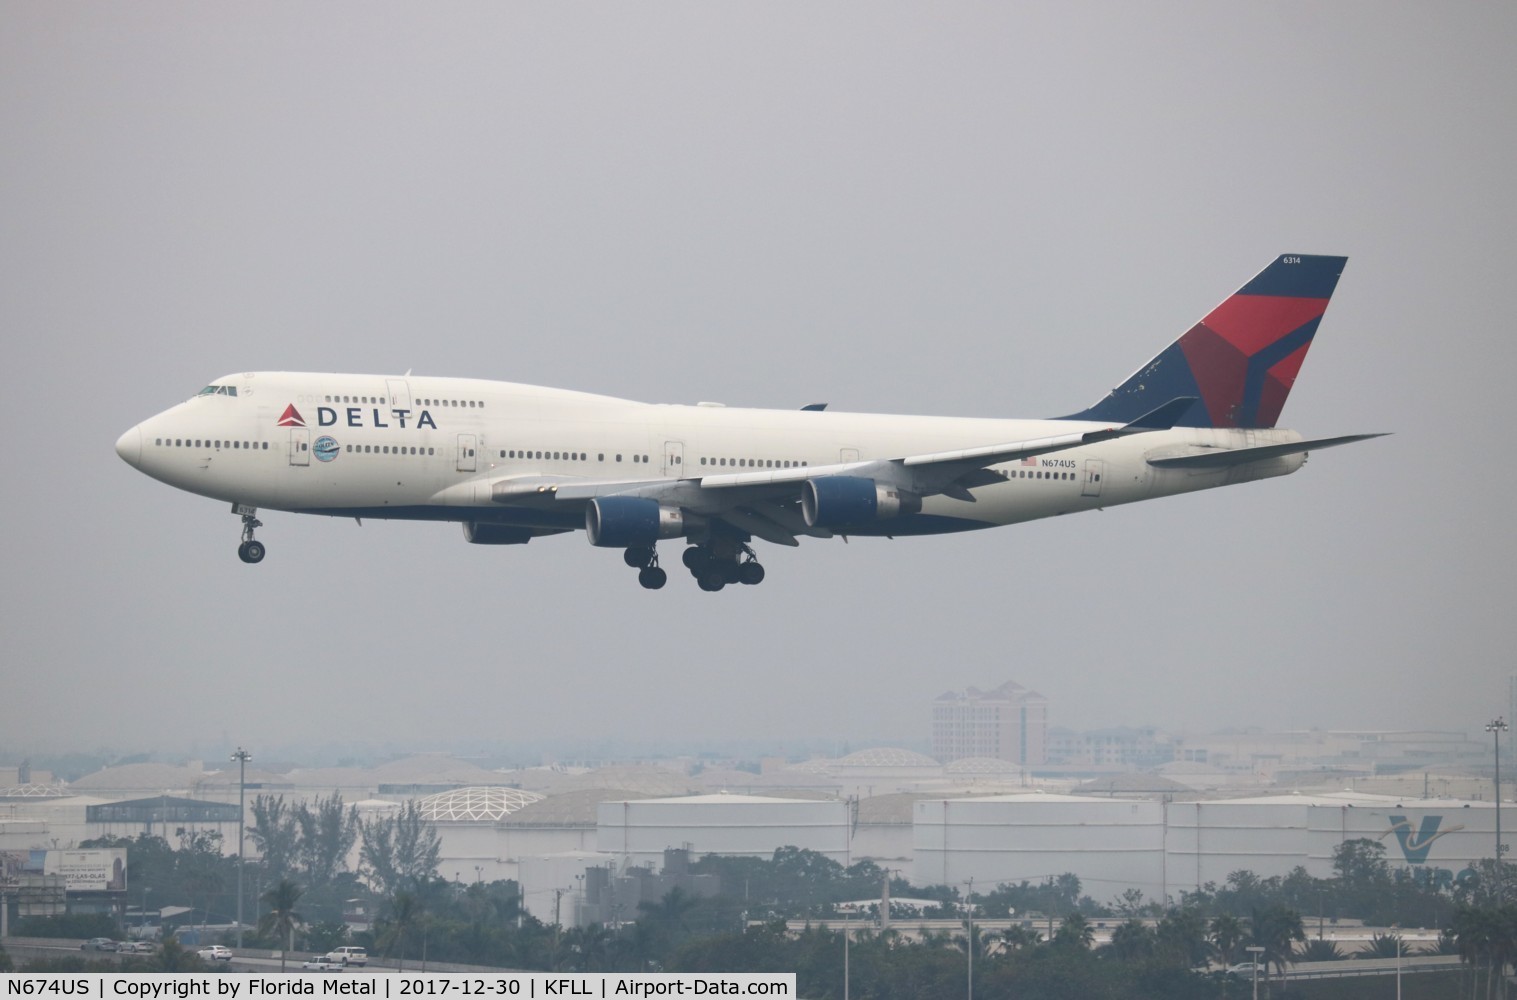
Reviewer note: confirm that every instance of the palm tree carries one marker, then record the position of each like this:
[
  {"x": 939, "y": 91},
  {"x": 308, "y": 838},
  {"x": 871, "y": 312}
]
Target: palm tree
[
  {"x": 1132, "y": 940},
  {"x": 281, "y": 918},
  {"x": 1075, "y": 932},
  {"x": 1276, "y": 929},
  {"x": 1226, "y": 936},
  {"x": 1181, "y": 937},
  {"x": 405, "y": 914},
  {"x": 1016, "y": 937},
  {"x": 1321, "y": 951},
  {"x": 1382, "y": 946}
]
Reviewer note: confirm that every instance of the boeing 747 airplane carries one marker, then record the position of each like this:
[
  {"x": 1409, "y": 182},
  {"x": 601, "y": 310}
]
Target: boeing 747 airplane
[{"x": 514, "y": 462}]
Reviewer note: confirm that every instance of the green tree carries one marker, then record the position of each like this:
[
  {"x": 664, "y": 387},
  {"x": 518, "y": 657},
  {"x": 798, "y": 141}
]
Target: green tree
[
  {"x": 275, "y": 832},
  {"x": 1226, "y": 937},
  {"x": 280, "y": 917},
  {"x": 1382, "y": 946},
  {"x": 1132, "y": 941},
  {"x": 405, "y": 916},
  {"x": 1181, "y": 938},
  {"x": 1075, "y": 933},
  {"x": 1320, "y": 951},
  {"x": 399, "y": 851},
  {"x": 1276, "y": 929},
  {"x": 327, "y": 835}
]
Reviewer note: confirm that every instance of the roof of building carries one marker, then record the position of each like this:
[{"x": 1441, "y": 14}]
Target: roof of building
[
  {"x": 435, "y": 768},
  {"x": 140, "y": 776},
  {"x": 724, "y": 798},
  {"x": 577, "y": 808},
  {"x": 647, "y": 779},
  {"x": 34, "y": 790},
  {"x": 982, "y": 765},
  {"x": 887, "y": 757},
  {"x": 475, "y": 804},
  {"x": 1133, "y": 782}
]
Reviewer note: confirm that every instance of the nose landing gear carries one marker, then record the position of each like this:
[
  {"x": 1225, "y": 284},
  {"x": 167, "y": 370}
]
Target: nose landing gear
[{"x": 251, "y": 550}]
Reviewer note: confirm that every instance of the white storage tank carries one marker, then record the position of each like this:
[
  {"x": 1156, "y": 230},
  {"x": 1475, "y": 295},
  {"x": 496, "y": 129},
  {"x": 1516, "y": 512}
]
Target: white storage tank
[
  {"x": 639, "y": 831},
  {"x": 1112, "y": 844}
]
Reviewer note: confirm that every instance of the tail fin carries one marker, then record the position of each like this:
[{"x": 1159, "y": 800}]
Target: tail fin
[{"x": 1242, "y": 359}]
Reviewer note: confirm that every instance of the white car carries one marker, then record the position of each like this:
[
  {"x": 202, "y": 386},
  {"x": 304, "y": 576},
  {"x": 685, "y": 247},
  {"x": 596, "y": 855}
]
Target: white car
[
  {"x": 215, "y": 953},
  {"x": 322, "y": 963},
  {"x": 349, "y": 955},
  {"x": 139, "y": 947}
]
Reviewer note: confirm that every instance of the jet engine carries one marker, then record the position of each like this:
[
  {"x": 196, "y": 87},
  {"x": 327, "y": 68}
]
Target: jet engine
[
  {"x": 840, "y": 501},
  {"x": 620, "y": 522}
]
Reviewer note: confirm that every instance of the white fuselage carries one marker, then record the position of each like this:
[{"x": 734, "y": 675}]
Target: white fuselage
[{"x": 437, "y": 448}]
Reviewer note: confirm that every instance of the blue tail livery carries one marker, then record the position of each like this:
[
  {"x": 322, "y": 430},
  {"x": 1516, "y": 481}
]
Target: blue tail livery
[{"x": 1241, "y": 360}]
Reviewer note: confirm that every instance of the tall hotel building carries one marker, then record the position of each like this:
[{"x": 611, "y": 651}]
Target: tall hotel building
[{"x": 1008, "y": 723}]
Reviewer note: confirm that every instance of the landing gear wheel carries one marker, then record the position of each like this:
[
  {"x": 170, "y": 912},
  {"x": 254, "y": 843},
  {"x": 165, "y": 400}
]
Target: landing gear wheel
[
  {"x": 638, "y": 556},
  {"x": 652, "y": 578},
  {"x": 750, "y": 573},
  {"x": 712, "y": 579},
  {"x": 251, "y": 550},
  {"x": 696, "y": 558}
]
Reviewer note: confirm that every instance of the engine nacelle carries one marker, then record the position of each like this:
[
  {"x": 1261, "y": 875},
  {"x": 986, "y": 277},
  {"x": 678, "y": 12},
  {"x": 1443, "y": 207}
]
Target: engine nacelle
[
  {"x": 839, "y": 501},
  {"x": 496, "y": 534},
  {"x": 619, "y": 522}
]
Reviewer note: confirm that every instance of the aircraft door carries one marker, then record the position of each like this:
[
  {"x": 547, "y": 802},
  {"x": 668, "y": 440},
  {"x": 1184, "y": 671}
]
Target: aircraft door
[
  {"x": 1094, "y": 472},
  {"x": 300, "y": 446},
  {"x": 400, "y": 393},
  {"x": 674, "y": 459},
  {"x": 468, "y": 446}
]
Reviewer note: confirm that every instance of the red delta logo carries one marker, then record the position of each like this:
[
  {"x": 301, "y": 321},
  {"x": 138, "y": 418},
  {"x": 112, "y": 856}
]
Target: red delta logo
[{"x": 291, "y": 417}]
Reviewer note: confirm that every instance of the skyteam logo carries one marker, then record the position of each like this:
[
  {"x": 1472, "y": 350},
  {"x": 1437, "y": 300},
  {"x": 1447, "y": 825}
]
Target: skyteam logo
[
  {"x": 326, "y": 448},
  {"x": 1415, "y": 845}
]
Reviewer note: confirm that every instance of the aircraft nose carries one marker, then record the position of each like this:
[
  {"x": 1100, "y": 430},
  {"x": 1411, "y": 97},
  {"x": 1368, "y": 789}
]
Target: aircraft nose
[{"x": 129, "y": 446}]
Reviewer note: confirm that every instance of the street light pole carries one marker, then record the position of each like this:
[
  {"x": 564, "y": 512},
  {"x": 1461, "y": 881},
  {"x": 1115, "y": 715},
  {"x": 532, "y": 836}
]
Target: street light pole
[
  {"x": 1496, "y": 727},
  {"x": 969, "y": 941},
  {"x": 1258, "y": 952},
  {"x": 241, "y": 757}
]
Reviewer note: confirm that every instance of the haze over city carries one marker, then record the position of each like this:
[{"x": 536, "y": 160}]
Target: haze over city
[{"x": 953, "y": 209}]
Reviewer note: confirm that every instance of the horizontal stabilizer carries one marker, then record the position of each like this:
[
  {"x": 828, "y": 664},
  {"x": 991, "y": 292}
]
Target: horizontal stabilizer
[{"x": 1222, "y": 458}]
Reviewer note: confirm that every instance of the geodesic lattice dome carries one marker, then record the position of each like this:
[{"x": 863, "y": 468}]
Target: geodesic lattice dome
[
  {"x": 886, "y": 757},
  {"x": 475, "y": 804}
]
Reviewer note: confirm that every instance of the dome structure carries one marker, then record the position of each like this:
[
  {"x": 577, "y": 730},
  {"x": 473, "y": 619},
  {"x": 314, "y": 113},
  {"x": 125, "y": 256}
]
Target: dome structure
[
  {"x": 475, "y": 804},
  {"x": 35, "y": 790},
  {"x": 887, "y": 757},
  {"x": 982, "y": 766}
]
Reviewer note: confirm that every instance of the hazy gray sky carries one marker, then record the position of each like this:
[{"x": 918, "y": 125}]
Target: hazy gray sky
[{"x": 976, "y": 209}]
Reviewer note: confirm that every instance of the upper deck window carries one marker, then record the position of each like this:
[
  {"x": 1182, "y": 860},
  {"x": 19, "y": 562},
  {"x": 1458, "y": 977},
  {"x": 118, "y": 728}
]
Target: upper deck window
[{"x": 218, "y": 390}]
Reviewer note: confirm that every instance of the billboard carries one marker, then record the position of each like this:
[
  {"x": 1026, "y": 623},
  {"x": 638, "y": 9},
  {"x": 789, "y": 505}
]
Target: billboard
[{"x": 100, "y": 869}]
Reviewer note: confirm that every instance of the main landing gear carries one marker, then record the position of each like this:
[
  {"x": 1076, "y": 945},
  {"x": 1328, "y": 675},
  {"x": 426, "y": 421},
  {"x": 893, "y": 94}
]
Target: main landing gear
[
  {"x": 723, "y": 561},
  {"x": 714, "y": 564},
  {"x": 644, "y": 559},
  {"x": 251, "y": 550}
]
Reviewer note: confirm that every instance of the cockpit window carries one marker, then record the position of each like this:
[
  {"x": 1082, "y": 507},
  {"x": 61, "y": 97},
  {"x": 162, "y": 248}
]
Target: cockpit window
[{"x": 218, "y": 390}]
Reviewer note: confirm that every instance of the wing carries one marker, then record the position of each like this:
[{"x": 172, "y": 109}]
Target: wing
[{"x": 767, "y": 504}]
